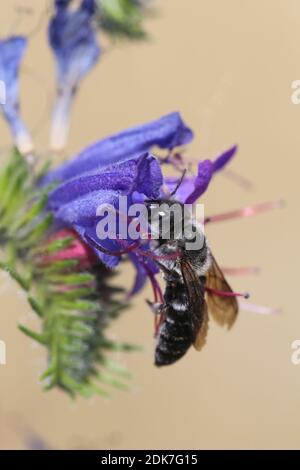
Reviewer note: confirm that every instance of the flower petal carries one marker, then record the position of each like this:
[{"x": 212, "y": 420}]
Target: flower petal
[
  {"x": 167, "y": 132},
  {"x": 141, "y": 175},
  {"x": 193, "y": 187},
  {"x": 142, "y": 276},
  {"x": 12, "y": 51},
  {"x": 201, "y": 182},
  {"x": 81, "y": 215},
  {"x": 82, "y": 211},
  {"x": 148, "y": 179},
  {"x": 224, "y": 158},
  {"x": 74, "y": 44}
]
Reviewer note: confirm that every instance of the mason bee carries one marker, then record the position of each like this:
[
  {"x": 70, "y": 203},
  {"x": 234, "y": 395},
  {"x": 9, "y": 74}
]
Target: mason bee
[{"x": 195, "y": 285}]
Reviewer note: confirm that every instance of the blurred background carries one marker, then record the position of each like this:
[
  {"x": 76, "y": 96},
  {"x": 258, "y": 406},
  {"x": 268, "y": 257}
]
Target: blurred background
[{"x": 227, "y": 66}]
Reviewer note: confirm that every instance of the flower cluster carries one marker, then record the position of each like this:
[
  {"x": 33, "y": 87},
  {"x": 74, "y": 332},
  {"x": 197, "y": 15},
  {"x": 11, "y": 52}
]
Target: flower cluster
[{"x": 67, "y": 285}]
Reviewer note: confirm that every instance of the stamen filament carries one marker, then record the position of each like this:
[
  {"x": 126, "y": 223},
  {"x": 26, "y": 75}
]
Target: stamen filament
[
  {"x": 221, "y": 293},
  {"x": 259, "y": 309},
  {"x": 245, "y": 211},
  {"x": 241, "y": 271}
]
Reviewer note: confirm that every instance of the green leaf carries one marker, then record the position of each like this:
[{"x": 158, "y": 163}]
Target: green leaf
[
  {"x": 109, "y": 380},
  {"x": 24, "y": 283},
  {"x": 115, "y": 346},
  {"x": 40, "y": 338},
  {"x": 72, "y": 279},
  {"x": 43, "y": 170},
  {"x": 58, "y": 266},
  {"x": 55, "y": 246},
  {"x": 121, "y": 18},
  {"x": 32, "y": 213},
  {"x": 38, "y": 231},
  {"x": 114, "y": 367},
  {"x": 35, "y": 306}
]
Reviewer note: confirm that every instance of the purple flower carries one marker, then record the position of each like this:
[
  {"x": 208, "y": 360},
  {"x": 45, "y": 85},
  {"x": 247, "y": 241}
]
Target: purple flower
[
  {"x": 11, "y": 53},
  {"x": 115, "y": 166},
  {"x": 75, "y": 203},
  {"x": 167, "y": 132},
  {"x": 89, "y": 5},
  {"x": 74, "y": 43},
  {"x": 121, "y": 165},
  {"x": 193, "y": 187}
]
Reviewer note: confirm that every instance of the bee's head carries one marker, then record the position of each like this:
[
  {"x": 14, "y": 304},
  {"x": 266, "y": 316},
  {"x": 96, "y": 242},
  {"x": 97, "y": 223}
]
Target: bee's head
[{"x": 165, "y": 218}]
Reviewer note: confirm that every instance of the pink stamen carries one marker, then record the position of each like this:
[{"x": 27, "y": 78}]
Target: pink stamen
[
  {"x": 76, "y": 250},
  {"x": 157, "y": 323},
  {"x": 221, "y": 293},
  {"x": 155, "y": 295},
  {"x": 242, "y": 271},
  {"x": 245, "y": 212},
  {"x": 259, "y": 309},
  {"x": 158, "y": 297}
]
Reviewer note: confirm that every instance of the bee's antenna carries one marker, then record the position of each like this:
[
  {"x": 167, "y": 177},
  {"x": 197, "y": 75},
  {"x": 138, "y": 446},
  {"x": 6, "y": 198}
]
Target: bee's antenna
[{"x": 179, "y": 183}]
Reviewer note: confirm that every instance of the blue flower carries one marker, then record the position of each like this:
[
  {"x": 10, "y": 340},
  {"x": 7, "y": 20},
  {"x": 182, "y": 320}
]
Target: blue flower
[
  {"x": 167, "y": 132},
  {"x": 121, "y": 165},
  {"x": 74, "y": 43},
  {"x": 75, "y": 203},
  {"x": 193, "y": 187},
  {"x": 115, "y": 166},
  {"x": 11, "y": 54}
]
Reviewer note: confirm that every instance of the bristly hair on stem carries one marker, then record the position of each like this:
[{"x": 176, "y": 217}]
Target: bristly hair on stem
[{"x": 75, "y": 301}]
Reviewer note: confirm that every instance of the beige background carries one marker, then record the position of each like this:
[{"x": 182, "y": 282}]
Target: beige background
[{"x": 227, "y": 65}]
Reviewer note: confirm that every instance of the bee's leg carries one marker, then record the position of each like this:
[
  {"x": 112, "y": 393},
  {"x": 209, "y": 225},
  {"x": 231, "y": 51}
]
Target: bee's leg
[{"x": 156, "y": 307}]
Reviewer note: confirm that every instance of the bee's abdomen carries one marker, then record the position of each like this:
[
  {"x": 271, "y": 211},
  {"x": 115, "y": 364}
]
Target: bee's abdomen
[{"x": 175, "y": 335}]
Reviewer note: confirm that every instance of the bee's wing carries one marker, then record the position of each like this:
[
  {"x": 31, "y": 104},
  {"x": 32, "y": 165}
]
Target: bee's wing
[
  {"x": 223, "y": 309},
  {"x": 202, "y": 333},
  {"x": 198, "y": 307}
]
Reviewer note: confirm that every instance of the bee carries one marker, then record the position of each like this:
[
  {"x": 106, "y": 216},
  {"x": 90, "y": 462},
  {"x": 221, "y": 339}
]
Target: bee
[{"x": 195, "y": 285}]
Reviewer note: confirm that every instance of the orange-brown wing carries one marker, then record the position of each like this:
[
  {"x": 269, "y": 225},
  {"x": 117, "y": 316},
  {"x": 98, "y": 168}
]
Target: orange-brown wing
[
  {"x": 197, "y": 305},
  {"x": 223, "y": 309},
  {"x": 202, "y": 333}
]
